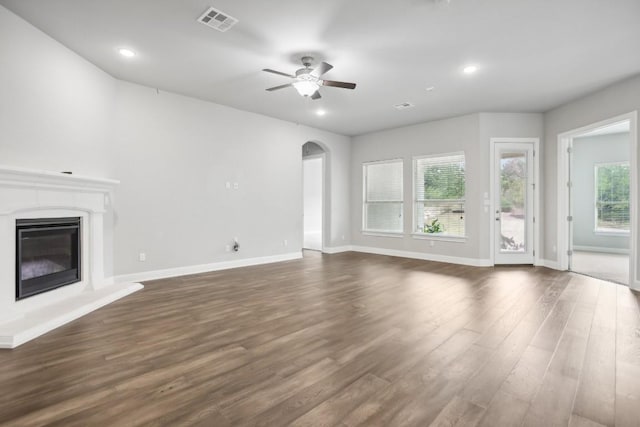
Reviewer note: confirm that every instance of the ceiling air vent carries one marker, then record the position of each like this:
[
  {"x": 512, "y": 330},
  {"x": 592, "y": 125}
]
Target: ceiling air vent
[
  {"x": 219, "y": 20},
  {"x": 403, "y": 106}
]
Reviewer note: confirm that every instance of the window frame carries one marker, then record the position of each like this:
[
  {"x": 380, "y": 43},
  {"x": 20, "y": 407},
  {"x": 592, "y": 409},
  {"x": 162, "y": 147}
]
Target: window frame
[
  {"x": 440, "y": 236},
  {"x": 381, "y": 233},
  {"x": 608, "y": 231}
]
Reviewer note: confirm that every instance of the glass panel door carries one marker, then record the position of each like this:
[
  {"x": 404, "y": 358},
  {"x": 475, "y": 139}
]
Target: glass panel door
[{"x": 514, "y": 203}]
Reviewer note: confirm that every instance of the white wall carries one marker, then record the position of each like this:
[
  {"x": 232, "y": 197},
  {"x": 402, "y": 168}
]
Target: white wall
[
  {"x": 173, "y": 155},
  {"x": 620, "y": 98},
  {"x": 56, "y": 109},
  {"x": 442, "y": 136},
  {"x": 59, "y": 112},
  {"x": 312, "y": 201},
  {"x": 471, "y": 134},
  {"x": 587, "y": 152}
]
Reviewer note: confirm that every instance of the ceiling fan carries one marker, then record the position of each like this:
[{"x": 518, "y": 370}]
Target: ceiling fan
[{"x": 307, "y": 80}]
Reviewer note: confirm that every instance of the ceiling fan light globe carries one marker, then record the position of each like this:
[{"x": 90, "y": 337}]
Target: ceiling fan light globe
[{"x": 306, "y": 87}]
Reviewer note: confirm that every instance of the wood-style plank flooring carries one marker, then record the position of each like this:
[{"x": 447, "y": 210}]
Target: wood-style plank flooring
[{"x": 340, "y": 340}]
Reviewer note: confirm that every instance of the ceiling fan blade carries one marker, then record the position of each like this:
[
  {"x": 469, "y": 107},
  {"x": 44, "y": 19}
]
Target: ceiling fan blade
[
  {"x": 321, "y": 69},
  {"x": 280, "y": 73},
  {"x": 279, "y": 87},
  {"x": 316, "y": 95},
  {"x": 343, "y": 85}
]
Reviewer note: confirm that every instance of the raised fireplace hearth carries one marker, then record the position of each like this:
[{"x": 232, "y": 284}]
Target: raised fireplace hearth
[
  {"x": 52, "y": 251},
  {"x": 47, "y": 254}
]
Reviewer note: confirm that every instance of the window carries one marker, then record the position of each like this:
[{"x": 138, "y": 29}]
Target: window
[
  {"x": 612, "y": 197},
  {"x": 382, "y": 209},
  {"x": 440, "y": 194}
]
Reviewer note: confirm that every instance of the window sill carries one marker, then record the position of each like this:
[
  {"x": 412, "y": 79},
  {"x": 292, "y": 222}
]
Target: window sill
[
  {"x": 440, "y": 237},
  {"x": 611, "y": 233},
  {"x": 394, "y": 234}
]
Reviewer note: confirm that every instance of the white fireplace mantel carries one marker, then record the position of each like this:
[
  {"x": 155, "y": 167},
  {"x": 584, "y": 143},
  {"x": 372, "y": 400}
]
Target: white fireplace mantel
[{"x": 26, "y": 194}]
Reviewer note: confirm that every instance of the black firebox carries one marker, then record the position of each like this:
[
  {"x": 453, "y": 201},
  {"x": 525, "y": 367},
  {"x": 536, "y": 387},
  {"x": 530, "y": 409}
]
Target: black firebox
[{"x": 47, "y": 254}]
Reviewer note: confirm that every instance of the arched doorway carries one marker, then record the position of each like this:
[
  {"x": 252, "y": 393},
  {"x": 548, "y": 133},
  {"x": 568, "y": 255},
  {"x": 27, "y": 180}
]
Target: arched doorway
[{"x": 313, "y": 178}]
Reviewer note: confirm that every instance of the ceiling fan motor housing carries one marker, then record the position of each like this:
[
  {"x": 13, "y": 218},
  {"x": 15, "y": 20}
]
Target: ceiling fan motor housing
[
  {"x": 307, "y": 61},
  {"x": 304, "y": 74}
]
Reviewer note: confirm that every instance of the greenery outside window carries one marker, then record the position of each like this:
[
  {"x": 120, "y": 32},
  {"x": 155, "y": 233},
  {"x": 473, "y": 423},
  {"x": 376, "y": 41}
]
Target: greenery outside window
[
  {"x": 439, "y": 199},
  {"x": 612, "y": 198},
  {"x": 383, "y": 196}
]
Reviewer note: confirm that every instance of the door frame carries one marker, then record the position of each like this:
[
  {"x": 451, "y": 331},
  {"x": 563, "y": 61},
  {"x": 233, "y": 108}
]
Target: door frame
[
  {"x": 493, "y": 203},
  {"x": 323, "y": 157},
  {"x": 565, "y": 140}
]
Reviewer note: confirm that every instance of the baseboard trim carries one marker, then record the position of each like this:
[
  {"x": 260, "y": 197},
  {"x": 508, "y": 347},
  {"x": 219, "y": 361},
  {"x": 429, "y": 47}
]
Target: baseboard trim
[
  {"x": 425, "y": 256},
  {"x": 548, "y": 263},
  {"x": 337, "y": 249},
  {"x": 599, "y": 249},
  {"x": 205, "y": 268}
]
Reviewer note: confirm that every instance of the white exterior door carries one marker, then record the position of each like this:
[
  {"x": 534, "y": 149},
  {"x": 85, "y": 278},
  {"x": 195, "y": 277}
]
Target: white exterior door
[{"x": 514, "y": 188}]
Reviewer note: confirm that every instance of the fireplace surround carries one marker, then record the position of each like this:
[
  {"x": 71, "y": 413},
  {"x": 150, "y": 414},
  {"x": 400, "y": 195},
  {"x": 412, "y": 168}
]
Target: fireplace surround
[{"x": 30, "y": 202}]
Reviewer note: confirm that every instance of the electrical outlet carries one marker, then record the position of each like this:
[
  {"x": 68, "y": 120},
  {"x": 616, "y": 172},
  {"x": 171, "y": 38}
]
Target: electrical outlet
[
  {"x": 142, "y": 257},
  {"x": 227, "y": 248},
  {"x": 228, "y": 185},
  {"x": 284, "y": 242},
  {"x": 236, "y": 185},
  {"x": 343, "y": 237}
]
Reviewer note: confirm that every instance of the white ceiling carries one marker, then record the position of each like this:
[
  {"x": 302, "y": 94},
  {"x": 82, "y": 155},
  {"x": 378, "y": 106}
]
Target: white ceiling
[{"x": 532, "y": 54}]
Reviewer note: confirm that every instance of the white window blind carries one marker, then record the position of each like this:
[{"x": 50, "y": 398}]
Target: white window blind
[
  {"x": 439, "y": 200},
  {"x": 612, "y": 197},
  {"x": 383, "y": 196}
]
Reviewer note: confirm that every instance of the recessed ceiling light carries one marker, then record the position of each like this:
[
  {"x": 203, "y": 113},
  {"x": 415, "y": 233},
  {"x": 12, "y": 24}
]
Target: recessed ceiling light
[
  {"x": 321, "y": 112},
  {"x": 430, "y": 88},
  {"x": 127, "y": 53},
  {"x": 470, "y": 69}
]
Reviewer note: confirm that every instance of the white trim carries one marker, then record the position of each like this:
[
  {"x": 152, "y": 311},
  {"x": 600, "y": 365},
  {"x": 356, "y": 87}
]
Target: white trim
[
  {"x": 436, "y": 155},
  {"x": 424, "y": 256},
  {"x": 205, "y": 268},
  {"x": 601, "y": 249},
  {"x": 565, "y": 139},
  {"x": 337, "y": 249},
  {"x": 548, "y": 264},
  {"x": 46, "y": 179},
  {"x": 439, "y": 237},
  {"x": 611, "y": 233},
  {"x": 537, "y": 231},
  {"x": 381, "y": 162},
  {"x": 414, "y": 199},
  {"x": 364, "y": 191},
  {"x": 393, "y": 234}
]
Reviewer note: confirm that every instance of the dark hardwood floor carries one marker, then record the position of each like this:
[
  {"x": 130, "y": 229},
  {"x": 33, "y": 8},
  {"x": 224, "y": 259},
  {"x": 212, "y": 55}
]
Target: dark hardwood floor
[{"x": 347, "y": 340}]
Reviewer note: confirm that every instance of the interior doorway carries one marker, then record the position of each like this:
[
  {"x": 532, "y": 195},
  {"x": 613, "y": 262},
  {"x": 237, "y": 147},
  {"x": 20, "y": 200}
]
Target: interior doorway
[
  {"x": 600, "y": 226},
  {"x": 596, "y": 200},
  {"x": 313, "y": 159}
]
